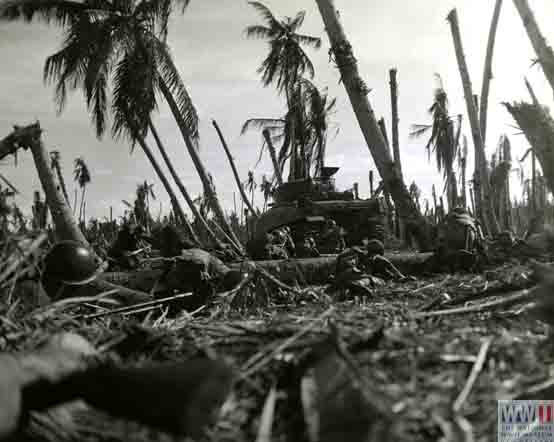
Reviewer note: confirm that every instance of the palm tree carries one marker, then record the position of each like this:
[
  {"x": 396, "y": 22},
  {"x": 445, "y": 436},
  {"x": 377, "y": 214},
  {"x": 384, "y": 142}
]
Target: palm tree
[
  {"x": 55, "y": 163},
  {"x": 267, "y": 189},
  {"x": 481, "y": 178},
  {"x": 319, "y": 110},
  {"x": 286, "y": 62},
  {"x": 310, "y": 115},
  {"x": 123, "y": 42},
  {"x": 443, "y": 140},
  {"x": 250, "y": 185},
  {"x": 82, "y": 177},
  {"x": 415, "y": 193}
]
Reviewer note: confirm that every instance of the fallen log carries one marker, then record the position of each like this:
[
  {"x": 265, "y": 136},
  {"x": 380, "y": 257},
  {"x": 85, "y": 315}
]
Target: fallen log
[
  {"x": 312, "y": 270},
  {"x": 318, "y": 270}
]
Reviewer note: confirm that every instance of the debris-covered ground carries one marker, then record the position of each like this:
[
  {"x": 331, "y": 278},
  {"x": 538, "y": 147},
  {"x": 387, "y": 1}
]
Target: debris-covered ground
[{"x": 396, "y": 365}]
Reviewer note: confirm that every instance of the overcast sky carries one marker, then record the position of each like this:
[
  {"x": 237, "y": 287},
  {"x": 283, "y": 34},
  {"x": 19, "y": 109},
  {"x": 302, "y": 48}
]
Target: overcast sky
[{"x": 218, "y": 64}]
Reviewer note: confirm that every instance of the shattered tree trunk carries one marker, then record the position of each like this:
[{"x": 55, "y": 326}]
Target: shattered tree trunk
[
  {"x": 489, "y": 218},
  {"x": 487, "y": 73},
  {"x": 56, "y": 166},
  {"x": 209, "y": 190},
  {"x": 540, "y": 45},
  {"x": 395, "y": 120},
  {"x": 182, "y": 189},
  {"x": 507, "y": 151},
  {"x": 463, "y": 167},
  {"x": 29, "y": 137},
  {"x": 538, "y": 126},
  {"x": 357, "y": 92},
  {"x": 273, "y": 155},
  {"x": 234, "y": 169}
]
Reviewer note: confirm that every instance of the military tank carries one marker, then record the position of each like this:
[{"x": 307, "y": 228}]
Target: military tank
[{"x": 305, "y": 206}]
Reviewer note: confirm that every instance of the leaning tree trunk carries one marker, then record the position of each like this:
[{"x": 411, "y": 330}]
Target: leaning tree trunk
[
  {"x": 542, "y": 49},
  {"x": 487, "y": 74},
  {"x": 29, "y": 137},
  {"x": 209, "y": 190},
  {"x": 357, "y": 92},
  {"x": 273, "y": 155},
  {"x": 234, "y": 169},
  {"x": 533, "y": 194},
  {"x": 177, "y": 209},
  {"x": 184, "y": 192},
  {"x": 538, "y": 127},
  {"x": 489, "y": 218}
]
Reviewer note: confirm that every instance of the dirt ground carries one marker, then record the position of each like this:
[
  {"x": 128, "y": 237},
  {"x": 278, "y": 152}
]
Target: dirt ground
[{"x": 429, "y": 378}]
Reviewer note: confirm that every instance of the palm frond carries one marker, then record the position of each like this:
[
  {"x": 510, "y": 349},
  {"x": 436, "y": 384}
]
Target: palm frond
[
  {"x": 260, "y": 123},
  {"x": 419, "y": 130},
  {"x": 170, "y": 75},
  {"x": 133, "y": 100},
  {"x": 67, "y": 67},
  {"x": 156, "y": 13},
  {"x": 96, "y": 83},
  {"x": 61, "y": 12},
  {"x": 526, "y": 154},
  {"x": 314, "y": 42},
  {"x": 259, "y": 31},
  {"x": 266, "y": 13},
  {"x": 297, "y": 21}
]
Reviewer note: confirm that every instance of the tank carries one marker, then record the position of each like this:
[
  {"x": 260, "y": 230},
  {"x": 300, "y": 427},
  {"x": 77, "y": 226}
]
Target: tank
[{"x": 305, "y": 206}]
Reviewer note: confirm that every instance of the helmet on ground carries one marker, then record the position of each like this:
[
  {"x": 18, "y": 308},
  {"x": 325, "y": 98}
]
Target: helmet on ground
[{"x": 72, "y": 263}]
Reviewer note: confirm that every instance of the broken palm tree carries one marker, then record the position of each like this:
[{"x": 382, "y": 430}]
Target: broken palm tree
[
  {"x": 538, "y": 126},
  {"x": 357, "y": 90},
  {"x": 30, "y": 137},
  {"x": 481, "y": 179},
  {"x": 540, "y": 45}
]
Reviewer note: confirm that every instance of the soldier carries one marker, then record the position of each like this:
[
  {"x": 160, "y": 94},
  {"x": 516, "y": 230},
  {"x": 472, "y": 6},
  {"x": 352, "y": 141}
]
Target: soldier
[
  {"x": 460, "y": 242},
  {"x": 289, "y": 243},
  {"x": 308, "y": 248},
  {"x": 274, "y": 248},
  {"x": 170, "y": 241},
  {"x": 200, "y": 272},
  {"x": 349, "y": 279},
  {"x": 332, "y": 238},
  {"x": 128, "y": 241},
  {"x": 375, "y": 263}
]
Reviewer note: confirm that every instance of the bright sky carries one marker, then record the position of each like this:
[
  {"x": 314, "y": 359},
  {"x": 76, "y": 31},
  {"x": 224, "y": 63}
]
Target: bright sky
[{"x": 218, "y": 64}]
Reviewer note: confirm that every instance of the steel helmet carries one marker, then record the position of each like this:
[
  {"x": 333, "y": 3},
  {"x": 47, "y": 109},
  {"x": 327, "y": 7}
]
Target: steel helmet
[{"x": 72, "y": 263}]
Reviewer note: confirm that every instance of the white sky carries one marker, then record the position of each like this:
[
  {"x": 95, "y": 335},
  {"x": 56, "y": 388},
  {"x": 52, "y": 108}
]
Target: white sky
[{"x": 219, "y": 66}]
